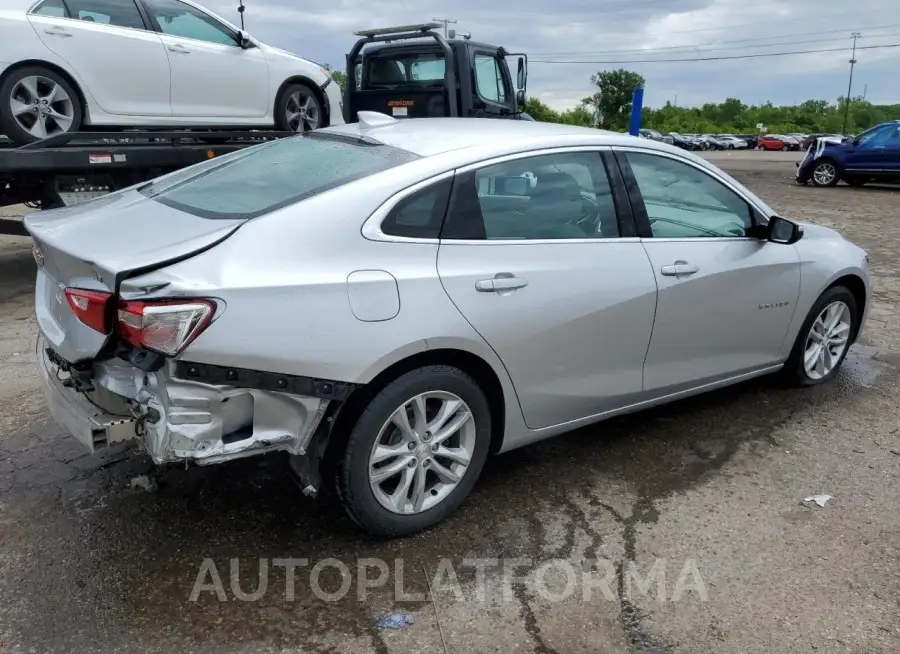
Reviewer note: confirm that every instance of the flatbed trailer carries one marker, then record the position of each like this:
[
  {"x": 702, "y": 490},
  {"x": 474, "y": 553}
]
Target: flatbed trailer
[{"x": 70, "y": 168}]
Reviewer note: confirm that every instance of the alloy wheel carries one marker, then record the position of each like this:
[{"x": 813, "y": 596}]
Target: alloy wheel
[
  {"x": 302, "y": 111},
  {"x": 824, "y": 173},
  {"x": 422, "y": 452},
  {"x": 827, "y": 340},
  {"x": 41, "y": 106}
]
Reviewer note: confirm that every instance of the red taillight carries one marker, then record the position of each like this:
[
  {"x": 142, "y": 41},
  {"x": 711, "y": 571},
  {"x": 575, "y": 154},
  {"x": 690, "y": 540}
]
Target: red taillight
[
  {"x": 90, "y": 307},
  {"x": 166, "y": 326}
]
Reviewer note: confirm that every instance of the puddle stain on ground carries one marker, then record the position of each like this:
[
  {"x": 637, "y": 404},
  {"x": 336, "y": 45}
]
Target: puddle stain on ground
[{"x": 149, "y": 548}]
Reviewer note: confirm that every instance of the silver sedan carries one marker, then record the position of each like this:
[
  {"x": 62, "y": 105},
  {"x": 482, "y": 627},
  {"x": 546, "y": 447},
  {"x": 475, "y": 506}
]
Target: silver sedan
[{"x": 390, "y": 302}]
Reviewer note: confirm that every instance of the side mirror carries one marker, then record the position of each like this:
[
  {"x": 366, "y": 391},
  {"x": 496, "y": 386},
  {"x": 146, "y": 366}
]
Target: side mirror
[
  {"x": 520, "y": 97},
  {"x": 520, "y": 75},
  {"x": 244, "y": 40},
  {"x": 784, "y": 231}
]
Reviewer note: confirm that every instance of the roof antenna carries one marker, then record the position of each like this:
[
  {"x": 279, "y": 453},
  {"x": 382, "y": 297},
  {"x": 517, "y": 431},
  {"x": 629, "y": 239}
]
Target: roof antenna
[{"x": 241, "y": 9}]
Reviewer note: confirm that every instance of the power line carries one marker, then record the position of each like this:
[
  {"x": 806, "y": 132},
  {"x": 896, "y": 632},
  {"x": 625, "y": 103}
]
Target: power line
[
  {"x": 714, "y": 43},
  {"x": 770, "y": 45},
  {"x": 719, "y": 58}
]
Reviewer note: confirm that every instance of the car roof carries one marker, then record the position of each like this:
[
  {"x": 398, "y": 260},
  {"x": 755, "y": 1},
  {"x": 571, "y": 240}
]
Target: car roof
[{"x": 432, "y": 136}]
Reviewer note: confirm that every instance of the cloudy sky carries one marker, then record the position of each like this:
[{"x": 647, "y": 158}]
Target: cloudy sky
[
  {"x": 603, "y": 31},
  {"x": 619, "y": 30}
]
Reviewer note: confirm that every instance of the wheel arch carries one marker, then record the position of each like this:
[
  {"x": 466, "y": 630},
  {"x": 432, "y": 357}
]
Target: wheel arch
[
  {"x": 857, "y": 287},
  {"x": 472, "y": 364},
  {"x": 59, "y": 70},
  {"x": 302, "y": 79}
]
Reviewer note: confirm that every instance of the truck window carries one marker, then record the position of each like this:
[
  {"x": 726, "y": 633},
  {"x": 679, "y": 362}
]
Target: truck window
[
  {"x": 489, "y": 79},
  {"x": 404, "y": 68}
]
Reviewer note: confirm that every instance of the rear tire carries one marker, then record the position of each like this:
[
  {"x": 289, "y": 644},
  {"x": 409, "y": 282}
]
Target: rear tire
[
  {"x": 384, "y": 509},
  {"x": 55, "y": 106},
  {"x": 298, "y": 108},
  {"x": 816, "y": 330}
]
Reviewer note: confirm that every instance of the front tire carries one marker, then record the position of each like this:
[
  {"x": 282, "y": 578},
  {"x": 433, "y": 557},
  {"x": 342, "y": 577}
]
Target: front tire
[
  {"x": 825, "y": 173},
  {"x": 36, "y": 102},
  {"x": 824, "y": 339},
  {"x": 415, "y": 452},
  {"x": 299, "y": 108}
]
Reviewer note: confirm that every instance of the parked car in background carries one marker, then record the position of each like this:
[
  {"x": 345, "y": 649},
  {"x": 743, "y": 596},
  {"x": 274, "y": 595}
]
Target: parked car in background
[
  {"x": 418, "y": 352},
  {"x": 73, "y": 64},
  {"x": 873, "y": 156},
  {"x": 793, "y": 141},
  {"x": 685, "y": 141},
  {"x": 656, "y": 136},
  {"x": 774, "y": 142},
  {"x": 732, "y": 142},
  {"x": 750, "y": 139},
  {"x": 713, "y": 142},
  {"x": 802, "y": 139}
]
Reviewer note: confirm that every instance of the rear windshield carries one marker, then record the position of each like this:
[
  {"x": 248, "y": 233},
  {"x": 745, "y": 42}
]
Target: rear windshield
[
  {"x": 385, "y": 71},
  {"x": 266, "y": 177}
]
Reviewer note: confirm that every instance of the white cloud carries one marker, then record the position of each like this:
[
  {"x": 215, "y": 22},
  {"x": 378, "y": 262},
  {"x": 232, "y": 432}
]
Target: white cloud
[{"x": 591, "y": 30}]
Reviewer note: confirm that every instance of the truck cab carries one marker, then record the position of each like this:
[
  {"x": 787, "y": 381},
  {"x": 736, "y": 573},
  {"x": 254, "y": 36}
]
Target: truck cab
[{"x": 412, "y": 71}]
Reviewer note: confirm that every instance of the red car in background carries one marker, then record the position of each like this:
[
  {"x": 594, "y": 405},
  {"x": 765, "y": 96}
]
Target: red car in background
[{"x": 774, "y": 142}]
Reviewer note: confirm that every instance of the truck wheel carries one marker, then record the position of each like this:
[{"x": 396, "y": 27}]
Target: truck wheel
[
  {"x": 298, "y": 109},
  {"x": 825, "y": 173},
  {"x": 415, "y": 452},
  {"x": 37, "y": 102}
]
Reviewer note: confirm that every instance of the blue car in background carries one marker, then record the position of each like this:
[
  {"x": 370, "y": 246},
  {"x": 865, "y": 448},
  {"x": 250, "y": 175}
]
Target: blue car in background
[{"x": 873, "y": 156}]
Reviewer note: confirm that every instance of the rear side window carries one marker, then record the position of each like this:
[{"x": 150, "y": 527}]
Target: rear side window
[
  {"x": 120, "y": 13},
  {"x": 266, "y": 177},
  {"x": 419, "y": 215},
  {"x": 54, "y": 8},
  {"x": 384, "y": 71}
]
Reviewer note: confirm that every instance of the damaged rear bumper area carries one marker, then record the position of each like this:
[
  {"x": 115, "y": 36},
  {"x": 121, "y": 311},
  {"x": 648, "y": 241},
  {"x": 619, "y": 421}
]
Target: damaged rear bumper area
[{"x": 185, "y": 411}]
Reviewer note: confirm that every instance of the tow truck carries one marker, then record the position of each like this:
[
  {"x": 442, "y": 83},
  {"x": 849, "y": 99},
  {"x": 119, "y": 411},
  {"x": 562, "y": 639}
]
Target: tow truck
[{"x": 406, "y": 71}]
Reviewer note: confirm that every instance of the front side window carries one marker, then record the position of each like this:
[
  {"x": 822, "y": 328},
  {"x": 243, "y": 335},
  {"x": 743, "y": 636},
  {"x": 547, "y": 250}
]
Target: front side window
[
  {"x": 489, "y": 79},
  {"x": 118, "y": 13},
  {"x": 879, "y": 136},
  {"x": 266, "y": 177},
  {"x": 178, "y": 19},
  {"x": 554, "y": 196},
  {"x": 682, "y": 201}
]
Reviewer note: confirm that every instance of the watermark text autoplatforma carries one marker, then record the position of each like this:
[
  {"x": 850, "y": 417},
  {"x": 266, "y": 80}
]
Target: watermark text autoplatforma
[{"x": 487, "y": 579}]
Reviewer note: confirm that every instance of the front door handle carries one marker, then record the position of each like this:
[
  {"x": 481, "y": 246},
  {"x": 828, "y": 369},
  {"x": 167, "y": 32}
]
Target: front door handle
[
  {"x": 178, "y": 48},
  {"x": 500, "y": 284},
  {"x": 57, "y": 31},
  {"x": 679, "y": 268}
]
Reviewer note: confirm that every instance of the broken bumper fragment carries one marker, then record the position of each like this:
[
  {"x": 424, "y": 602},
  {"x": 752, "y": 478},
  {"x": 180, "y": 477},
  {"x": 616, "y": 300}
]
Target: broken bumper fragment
[{"x": 177, "y": 419}]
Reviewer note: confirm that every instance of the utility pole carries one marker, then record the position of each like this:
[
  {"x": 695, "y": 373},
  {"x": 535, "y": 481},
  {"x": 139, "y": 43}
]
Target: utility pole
[
  {"x": 865, "y": 91},
  {"x": 447, "y": 22},
  {"x": 855, "y": 36}
]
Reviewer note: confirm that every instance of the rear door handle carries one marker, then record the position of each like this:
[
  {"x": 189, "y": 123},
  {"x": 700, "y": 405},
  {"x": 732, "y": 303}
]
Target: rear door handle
[
  {"x": 57, "y": 31},
  {"x": 500, "y": 284},
  {"x": 679, "y": 268},
  {"x": 178, "y": 48}
]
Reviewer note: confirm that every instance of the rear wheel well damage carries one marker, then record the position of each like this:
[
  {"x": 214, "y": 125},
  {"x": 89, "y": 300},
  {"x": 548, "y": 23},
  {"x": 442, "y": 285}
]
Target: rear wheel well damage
[{"x": 318, "y": 467}]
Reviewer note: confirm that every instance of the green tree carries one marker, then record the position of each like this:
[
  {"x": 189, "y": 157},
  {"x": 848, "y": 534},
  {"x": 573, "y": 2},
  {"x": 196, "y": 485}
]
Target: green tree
[
  {"x": 541, "y": 112},
  {"x": 615, "y": 89},
  {"x": 341, "y": 78}
]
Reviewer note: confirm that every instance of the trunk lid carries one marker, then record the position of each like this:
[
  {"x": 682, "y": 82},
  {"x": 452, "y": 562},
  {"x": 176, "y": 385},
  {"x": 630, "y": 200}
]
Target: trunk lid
[{"x": 97, "y": 244}]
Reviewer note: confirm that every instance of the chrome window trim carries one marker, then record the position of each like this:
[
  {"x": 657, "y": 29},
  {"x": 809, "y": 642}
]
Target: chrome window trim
[
  {"x": 671, "y": 155},
  {"x": 371, "y": 229}
]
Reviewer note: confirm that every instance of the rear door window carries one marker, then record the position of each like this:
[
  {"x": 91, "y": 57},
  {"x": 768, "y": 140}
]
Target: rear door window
[
  {"x": 385, "y": 71},
  {"x": 266, "y": 177}
]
